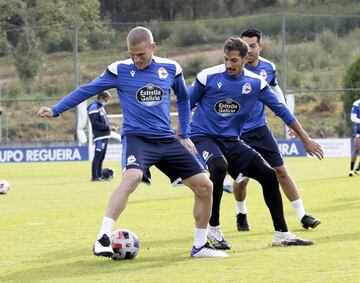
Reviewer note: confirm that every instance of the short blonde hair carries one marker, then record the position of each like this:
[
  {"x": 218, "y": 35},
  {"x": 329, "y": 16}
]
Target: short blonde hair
[{"x": 140, "y": 34}]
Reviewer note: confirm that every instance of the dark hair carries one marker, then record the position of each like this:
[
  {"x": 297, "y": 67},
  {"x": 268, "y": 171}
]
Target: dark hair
[
  {"x": 252, "y": 32},
  {"x": 236, "y": 43},
  {"x": 104, "y": 94}
]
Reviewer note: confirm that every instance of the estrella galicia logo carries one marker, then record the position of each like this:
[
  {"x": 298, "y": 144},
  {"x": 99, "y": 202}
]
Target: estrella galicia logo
[
  {"x": 225, "y": 108},
  {"x": 150, "y": 95}
]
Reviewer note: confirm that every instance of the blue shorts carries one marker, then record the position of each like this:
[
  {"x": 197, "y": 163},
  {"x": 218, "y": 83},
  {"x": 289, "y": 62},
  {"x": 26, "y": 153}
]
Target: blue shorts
[
  {"x": 262, "y": 140},
  {"x": 237, "y": 153},
  {"x": 168, "y": 155}
]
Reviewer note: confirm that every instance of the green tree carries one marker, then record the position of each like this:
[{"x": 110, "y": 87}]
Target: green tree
[
  {"x": 351, "y": 80},
  {"x": 28, "y": 23}
]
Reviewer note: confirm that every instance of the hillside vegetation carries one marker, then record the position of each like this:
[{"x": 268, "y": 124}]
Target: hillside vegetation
[{"x": 318, "y": 51}]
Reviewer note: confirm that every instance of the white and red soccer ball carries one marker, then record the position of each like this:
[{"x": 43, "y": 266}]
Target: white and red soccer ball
[
  {"x": 125, "y": 244},
  {"x": 4, "y": 187}
]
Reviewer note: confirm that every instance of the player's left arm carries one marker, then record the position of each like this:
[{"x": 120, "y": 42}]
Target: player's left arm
[
  {"x": 310, "y": 145},
  {"x": 183, "y": 105}
]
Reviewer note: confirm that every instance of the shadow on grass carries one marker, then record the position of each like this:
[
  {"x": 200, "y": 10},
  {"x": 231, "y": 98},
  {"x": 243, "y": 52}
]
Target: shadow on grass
[
  {"x": 92, "y": 267},
  {"x": 68, "y": 265}
]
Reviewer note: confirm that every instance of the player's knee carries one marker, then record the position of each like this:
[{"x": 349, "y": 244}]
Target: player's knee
[
  {"x": 262, "y": 172},
  {"x": 203, "y": 187},
  {"x": 241, "y": 186},
  {"x": 281, "y": 172},
  {"x": 218, "y": 167},
  {"x": 132, "y": 177},
  {"x": 270, "y": 175}
]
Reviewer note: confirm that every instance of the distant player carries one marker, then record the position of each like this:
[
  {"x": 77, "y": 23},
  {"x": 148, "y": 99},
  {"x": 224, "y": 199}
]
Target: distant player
[
  {"x": 257, "y": 134},
  {"x": 224, "y": 96},
  {"x": 143, "y": 84},
  {"x": 355, "y": 117},
  {"x": 101, "y": 130}
]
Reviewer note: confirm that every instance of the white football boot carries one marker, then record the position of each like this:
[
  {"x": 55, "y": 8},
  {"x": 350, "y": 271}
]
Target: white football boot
[
  {"x": 206, "y": 251},
  {"x": 102, "y": 247},
  {"x": 288, "y": 239}
]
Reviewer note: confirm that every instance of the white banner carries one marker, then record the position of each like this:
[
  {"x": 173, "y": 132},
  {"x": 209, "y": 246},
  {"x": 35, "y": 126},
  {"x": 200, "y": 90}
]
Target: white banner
[
  {"x": 113, "y": 152},
  {"x": 336, "y": 147}
]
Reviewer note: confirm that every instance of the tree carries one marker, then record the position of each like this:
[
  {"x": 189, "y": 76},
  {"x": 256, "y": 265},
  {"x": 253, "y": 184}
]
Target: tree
[
  {"x": 351, "y": 81},
  {"x": 28, "y": 23}
]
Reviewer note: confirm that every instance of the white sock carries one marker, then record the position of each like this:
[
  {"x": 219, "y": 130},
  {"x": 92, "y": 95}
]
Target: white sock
[
  {"x": 227, "y": 180},
  {"x": 241, "y": 207},
  {"x": 106, "y": 227},
  {"x": 200, "y": 235},
  {"x": 299, "y": 208}
]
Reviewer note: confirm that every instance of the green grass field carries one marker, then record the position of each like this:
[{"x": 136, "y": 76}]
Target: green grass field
[{"x": 52, "y": 214}]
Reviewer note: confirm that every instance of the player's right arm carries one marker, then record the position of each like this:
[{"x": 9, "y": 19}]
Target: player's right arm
[
  {"x": 196, "y": 90},
  {"x": 103, "y": 82}
]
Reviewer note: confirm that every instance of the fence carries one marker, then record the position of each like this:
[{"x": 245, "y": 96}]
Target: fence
[{"x": 307, "y": 49}]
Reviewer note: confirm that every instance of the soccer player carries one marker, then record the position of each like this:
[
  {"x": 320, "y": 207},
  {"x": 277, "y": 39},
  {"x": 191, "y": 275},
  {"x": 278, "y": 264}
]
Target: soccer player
[
  {"x": 224, "y": 96},
  {"x": 355, "y": 117},
  {"x": 143, "y": 84},
  {"x": 257, "y": 134},
  {"x": 101, "y": 130}
]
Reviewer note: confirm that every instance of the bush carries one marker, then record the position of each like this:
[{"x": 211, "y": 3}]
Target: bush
[
  {"x": 194, "y": 65},
  {"x": 191, "y": 34}
]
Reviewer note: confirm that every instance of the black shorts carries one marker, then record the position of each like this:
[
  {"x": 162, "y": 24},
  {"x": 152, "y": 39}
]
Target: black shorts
[
  {"x": 262, "y": 140},
  {"x": 168, "y": 155},
  {"x": 237, "y": 153}
]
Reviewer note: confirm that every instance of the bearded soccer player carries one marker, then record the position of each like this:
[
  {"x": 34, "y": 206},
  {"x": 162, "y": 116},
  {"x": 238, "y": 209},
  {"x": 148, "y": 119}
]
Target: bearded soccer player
[
  {"x": 257, "y": 134},
  {"x": 224, "y": 96}
]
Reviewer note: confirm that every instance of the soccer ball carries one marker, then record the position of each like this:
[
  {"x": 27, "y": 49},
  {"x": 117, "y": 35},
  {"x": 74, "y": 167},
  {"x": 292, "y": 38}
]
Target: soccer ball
[
  {"x": 4, "y": 187},
  {"x": 125, "y": 244},
  {"x": 107, "y": 173}
]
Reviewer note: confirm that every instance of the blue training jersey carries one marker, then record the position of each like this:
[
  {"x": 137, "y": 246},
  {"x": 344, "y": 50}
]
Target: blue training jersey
[
  {"x": 144, "y": 96},
  {"x": 356, "y": 110},
  {"x": 224, "y": 103},
  {"x": 267, "y": 70}
]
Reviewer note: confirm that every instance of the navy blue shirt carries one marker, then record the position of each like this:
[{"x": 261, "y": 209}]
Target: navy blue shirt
[{"x": 99, "y": 121}]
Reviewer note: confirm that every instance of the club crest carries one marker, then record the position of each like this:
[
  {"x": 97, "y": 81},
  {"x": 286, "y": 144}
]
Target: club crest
[
  {"x": 163, "y": 74},
  {"x": 246, "y": 88},
  {"x": 263, "y": 74}
]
